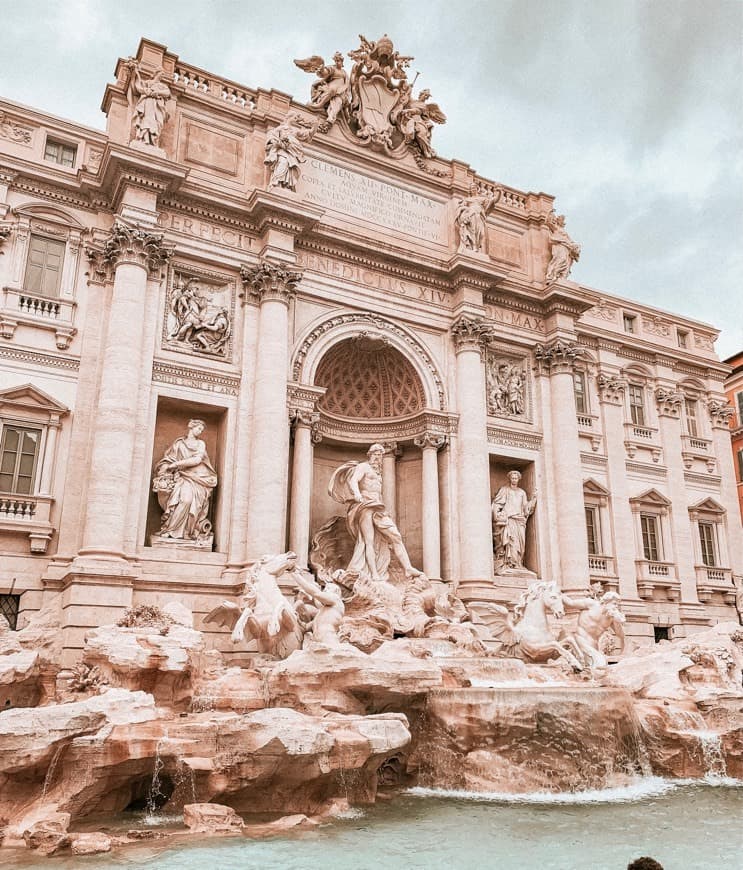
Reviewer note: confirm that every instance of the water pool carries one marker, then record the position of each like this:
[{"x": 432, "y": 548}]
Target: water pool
[{"x": 684, "y": 826}]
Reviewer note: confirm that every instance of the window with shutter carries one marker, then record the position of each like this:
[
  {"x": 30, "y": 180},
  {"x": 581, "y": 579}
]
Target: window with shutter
[{"x": 44, "y": 266}]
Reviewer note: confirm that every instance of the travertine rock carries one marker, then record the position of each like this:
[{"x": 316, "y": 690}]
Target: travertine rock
[
  {"x": 145, "y": 658},
  {"x": 90, "y": 844},
  {"x": 211, "y": 819},
  {"x": 48, "y": 835}
]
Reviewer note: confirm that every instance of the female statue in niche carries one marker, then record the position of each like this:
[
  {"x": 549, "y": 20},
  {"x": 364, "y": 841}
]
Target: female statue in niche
[
  {"x": 150, "y": 113},
  {"x": 184, "y": 481},
  {"x": 511, "y": 510}
]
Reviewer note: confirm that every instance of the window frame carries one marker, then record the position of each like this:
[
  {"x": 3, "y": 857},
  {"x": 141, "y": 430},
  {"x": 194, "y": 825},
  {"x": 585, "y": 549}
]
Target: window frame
[
  {"x": 7, "y": 425},
  {"x": 651, "y": 520},
  {"x": 682, "y": 337},
  {"x": 49, "y": 240},
  {"x": 579, "y": 377},
  {"x": 629, "y": 323},
  {"x": 61, "y": 144},
  {"x": 594, "y": 512},
  {"x": 633, "y": 406},
  {"x": 708, "y": 548},
  {"x": 691, "y": 420}
]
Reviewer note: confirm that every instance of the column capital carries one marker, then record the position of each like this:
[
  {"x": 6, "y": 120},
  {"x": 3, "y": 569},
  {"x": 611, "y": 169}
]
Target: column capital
[
  {"x": 128, "y": 243},
  {"x": 611, "y": 388},
  {"x": 668, "y": 402},
  {"x": 558, "y": 356},
  {"x": 4, "y": 232},
  {"x": 471, "y": 333},
  {"x": 392, "y": 448},
  {"x": 430, "y": 439},
  {"x": 720, "y": 413},
  {"x": 266, "y": 280},
  {"x": 304, "y": 418}
]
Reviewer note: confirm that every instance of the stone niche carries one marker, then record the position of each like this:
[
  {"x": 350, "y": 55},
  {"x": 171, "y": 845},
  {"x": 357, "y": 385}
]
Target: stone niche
[
  {"x": 171, "y": 423},
  {"x": 499, "y": 468},
  {"x": 407, "y": 509}
]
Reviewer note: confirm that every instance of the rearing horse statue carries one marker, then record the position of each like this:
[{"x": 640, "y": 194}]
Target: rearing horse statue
[{"x": 528, "y": 635}]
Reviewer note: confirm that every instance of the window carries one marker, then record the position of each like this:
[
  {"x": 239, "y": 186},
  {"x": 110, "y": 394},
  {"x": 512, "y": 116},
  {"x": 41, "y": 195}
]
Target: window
[
  {"x": 629, "y": 323},
  {"x": 44, "y": 266},
  {"x": 739, "y": 399},
  {"x": 19, "y": 452},
  {"x": 690, "y": 413},
  {"x": 681, "y": 337},
  {"x": 637, "y": 404},
  {"x": 650, "y": 537},
  {"x": 579, "y": 388},
  {"x": 58, "y": 152},
  {"x": 661, "y": 632},
  {"x": 9, "y": 606},
  {"x": 593, "y": 531},
  {"x": 707, "y": 541},
  {"x": 740, "y": 465}
]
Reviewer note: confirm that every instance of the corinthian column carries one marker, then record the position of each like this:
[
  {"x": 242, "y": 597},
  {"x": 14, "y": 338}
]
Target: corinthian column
[
  {"x": 470, "y": 335},
  {"x": 273, "y": 286},
  {"x": 430, "y": 517},
  {"x": 306, "y": 436},
  {"x": 720, "y": 414},
  {"x": 557, "y": 360},
  {"x": 132, "y": 254}
]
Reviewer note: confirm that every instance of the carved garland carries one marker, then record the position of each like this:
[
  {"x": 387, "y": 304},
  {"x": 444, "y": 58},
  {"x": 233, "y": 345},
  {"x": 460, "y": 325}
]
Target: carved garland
[{"x": 366, "y": 318}]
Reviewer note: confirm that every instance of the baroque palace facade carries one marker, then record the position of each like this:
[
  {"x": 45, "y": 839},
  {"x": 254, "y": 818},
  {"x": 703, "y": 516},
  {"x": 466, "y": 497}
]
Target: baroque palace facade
[{"x": 208, "y": 308}]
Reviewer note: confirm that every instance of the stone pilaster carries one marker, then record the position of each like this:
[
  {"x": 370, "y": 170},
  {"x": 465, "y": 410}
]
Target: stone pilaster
[
  {"x": 720, "y": 414},
  {"x": 611, "y": 390},
  {"x": 470, "y": 335},
  {"x": 557, "y": 360},
  {"x": 430, "y": 444},
  {"x": 130, "y": 254},
  {"x": 669, "y": 404},
  {"x": 273, "y": 286}
]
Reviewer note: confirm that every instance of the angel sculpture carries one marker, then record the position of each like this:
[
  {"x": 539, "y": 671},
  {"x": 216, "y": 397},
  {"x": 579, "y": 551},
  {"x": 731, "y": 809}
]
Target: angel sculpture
[
  {"x": 415, "y": 119},
  {"x": 330, "y": 91},
  {"x": 264, "y": 615}
]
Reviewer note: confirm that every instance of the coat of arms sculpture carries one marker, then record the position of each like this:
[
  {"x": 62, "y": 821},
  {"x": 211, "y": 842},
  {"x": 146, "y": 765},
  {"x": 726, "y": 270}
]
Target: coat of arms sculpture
[{"x": 376, "y": 100}]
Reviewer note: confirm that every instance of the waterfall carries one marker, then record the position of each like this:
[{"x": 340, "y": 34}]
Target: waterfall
[
  {"x": 714, "y": 757},
  {"x": 51, "y": 770},
  {"x": 155, "y": 792}
]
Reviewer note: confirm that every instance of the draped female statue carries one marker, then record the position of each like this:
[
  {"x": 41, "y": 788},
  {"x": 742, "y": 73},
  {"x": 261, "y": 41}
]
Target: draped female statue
[{"x": 184, "y": 481}]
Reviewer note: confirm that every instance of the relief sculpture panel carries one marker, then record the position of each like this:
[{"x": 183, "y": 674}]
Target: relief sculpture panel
[
  {"x": 506, "y": 386},
  {"x": 199, "y": 314}
]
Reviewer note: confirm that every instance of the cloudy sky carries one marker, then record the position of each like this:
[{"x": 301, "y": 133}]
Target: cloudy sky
[{"x": 629, "y": 112}]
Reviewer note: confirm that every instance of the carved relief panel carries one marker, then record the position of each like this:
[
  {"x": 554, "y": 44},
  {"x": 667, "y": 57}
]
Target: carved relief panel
[
  {"x": 199, "y": 313},
  {"x": 507, "y": 386}
]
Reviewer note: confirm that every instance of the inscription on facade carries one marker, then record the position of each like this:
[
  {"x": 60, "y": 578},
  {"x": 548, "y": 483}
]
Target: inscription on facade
[
  {"x": 372, "y": 278},
  {"x": 206, "y": 230},
  {"x": 516, "y": 319},
  {"x": 375, "y": 201}
]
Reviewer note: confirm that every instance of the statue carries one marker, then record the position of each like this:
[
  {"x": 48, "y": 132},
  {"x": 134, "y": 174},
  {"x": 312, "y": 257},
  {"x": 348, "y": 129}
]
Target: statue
[
  {"x": 264, "y": 615},
  {"x": 184, "y": 480},
  {"x": 415, "y": 119},
  {"x": 358, "y": 485},
  {"x": 284, "y": 151},
  {"x": 527, "y": 635},
  {"x": 563, "y": 249},
  {"x": 329, "y": 610},
  {"x": 597, "y": 615},
  {"x": 331, "y": 90},
  {"x": 196, "y": 321},
  {"x": 511, "y": 509},
  {"x": 150, "y": 112},
  {"x": 470, "y": 218}
]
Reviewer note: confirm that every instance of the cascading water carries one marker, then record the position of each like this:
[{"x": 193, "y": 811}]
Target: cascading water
[
  {"x": 155, "y": 795},
  {"x": 51, "y": 770}
]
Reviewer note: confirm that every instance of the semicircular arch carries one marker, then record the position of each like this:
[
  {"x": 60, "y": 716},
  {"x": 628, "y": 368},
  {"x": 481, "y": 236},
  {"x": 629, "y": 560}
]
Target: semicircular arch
[{"x": 326, "y": 332}]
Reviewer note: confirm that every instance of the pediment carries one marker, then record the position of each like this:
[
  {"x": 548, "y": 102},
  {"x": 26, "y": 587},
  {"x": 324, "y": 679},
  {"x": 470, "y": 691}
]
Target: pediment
[
  {"x": 708, "y": 506},
  {"x": 27, "y": 397},
  {"x": 593, "y": 487},
  {"x": 651, "y": 498},
  {"x": 49, "y": 213}
]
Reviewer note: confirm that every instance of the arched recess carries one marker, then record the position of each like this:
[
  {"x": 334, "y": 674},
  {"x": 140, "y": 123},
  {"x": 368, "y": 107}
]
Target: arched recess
[{"x": 323, "y": 334}]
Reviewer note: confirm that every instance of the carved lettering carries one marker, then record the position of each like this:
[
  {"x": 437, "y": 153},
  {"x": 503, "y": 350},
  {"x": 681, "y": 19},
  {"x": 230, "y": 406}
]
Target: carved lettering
[
  {"x": 516, "y": 319},
  {"x": 204, "y": 230},
  {"x": 375, "y": 201}
]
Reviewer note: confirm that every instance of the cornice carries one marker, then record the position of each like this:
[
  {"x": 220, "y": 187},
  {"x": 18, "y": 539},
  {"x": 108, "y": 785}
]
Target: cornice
[
  {"x": 38, "y": 358},
  {"x": 284, "y": 211}
]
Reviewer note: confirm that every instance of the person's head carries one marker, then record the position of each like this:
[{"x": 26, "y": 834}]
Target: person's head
[
  {"x": 375, "y": 454},
  {"x": 424, "y": 95},
  {"x": 514, "y": 477},
  {"x": 196, "y": 426},
  {"x": 644, "y": 864},
  {"x": 338, "y": 58}
]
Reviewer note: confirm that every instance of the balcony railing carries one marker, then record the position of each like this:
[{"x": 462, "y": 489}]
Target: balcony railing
[
  {"x": 27, "y": 514},
  {"x": 20, "y": 307},
  {"x": 693, "y": 444},
  {"x": 603, "y": 566},
  {"x": 652, "y": 574}
]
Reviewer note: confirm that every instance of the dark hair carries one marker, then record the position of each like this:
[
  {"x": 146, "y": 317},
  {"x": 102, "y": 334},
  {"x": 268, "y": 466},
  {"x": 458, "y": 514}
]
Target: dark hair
[{"x": 644, "y": 863}]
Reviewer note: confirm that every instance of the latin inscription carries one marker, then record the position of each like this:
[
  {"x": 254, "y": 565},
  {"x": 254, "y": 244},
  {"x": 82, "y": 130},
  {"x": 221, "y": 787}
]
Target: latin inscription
[
  {"x": 374, "y": 201},
  {"x": 370, "y": 278},
  {"x": 205, "y": 230},
  {"x": 516, "y": 319}
]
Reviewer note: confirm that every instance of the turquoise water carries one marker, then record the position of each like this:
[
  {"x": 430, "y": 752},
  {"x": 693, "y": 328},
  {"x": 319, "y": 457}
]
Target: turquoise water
[{"x": 685, "y": 827}]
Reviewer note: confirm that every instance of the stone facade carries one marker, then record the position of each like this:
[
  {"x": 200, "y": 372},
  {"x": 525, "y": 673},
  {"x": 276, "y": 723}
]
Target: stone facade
[
  {"x": 288, "y": 283},
  {"x": 734, "y": 390}
]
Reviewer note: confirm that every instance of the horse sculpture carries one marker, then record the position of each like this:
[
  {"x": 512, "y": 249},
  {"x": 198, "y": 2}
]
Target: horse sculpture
[
  {"x": 264, "y": 615},
  {"x": 527, "y": 635}
]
